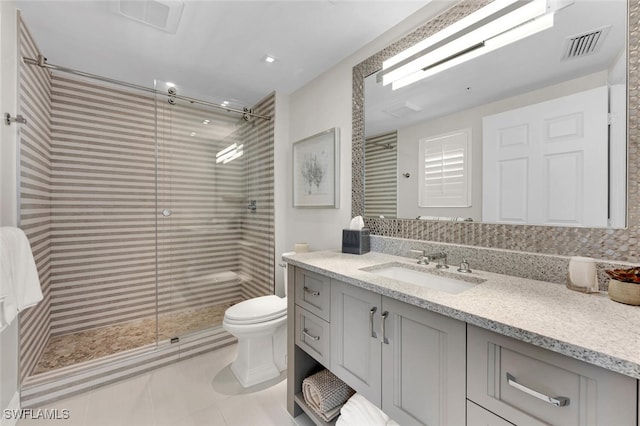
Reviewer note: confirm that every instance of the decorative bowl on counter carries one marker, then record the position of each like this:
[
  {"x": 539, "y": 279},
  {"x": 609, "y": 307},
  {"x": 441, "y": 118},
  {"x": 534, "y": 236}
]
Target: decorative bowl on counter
[{"x": 624, "y": 285}]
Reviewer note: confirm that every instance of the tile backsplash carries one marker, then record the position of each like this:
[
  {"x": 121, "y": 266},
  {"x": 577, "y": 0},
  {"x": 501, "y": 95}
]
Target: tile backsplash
[{"x": 543, "y": 267}]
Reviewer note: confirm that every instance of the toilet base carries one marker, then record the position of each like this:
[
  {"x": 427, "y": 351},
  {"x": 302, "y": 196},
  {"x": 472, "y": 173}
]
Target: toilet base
[{"x": 255, "y": 362}]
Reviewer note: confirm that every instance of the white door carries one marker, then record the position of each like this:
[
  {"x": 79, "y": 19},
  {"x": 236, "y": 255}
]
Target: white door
[{"x": 547, "y": 163}]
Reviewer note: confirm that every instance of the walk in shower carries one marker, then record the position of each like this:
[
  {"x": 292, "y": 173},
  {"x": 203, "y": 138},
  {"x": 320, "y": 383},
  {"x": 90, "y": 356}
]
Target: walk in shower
[{"x": 148, "y": 216}]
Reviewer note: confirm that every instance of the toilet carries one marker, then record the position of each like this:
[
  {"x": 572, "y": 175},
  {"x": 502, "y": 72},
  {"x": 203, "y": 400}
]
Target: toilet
[{"x": 260, "y": 325}]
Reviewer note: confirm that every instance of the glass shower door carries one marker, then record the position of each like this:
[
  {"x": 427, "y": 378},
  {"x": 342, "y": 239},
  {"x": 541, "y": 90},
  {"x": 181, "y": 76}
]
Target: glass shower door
[{"x": 201, "y": 203}]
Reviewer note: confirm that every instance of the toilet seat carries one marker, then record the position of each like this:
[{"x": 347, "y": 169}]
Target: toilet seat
[{"x": 256, "y": 310}]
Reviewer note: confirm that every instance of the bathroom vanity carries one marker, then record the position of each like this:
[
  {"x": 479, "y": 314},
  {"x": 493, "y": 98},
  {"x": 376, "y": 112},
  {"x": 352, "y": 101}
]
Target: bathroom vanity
[{"x": 503, "y": 350}]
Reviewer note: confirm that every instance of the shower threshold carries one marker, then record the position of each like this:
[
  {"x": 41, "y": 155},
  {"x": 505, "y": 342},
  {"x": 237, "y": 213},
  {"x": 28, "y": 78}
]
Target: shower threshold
[{"x": 71, "y": 349}]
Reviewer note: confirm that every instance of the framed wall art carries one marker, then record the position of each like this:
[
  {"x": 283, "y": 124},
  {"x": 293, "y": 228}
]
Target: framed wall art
[{"x": 316, "y": 170}]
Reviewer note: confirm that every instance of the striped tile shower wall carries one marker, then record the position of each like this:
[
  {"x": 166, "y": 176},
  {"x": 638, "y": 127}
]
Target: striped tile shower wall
[
  {"x": 103, "y": 206},
  {"x": 35, "y": 195},
  {"x": 381, "y": 175}
]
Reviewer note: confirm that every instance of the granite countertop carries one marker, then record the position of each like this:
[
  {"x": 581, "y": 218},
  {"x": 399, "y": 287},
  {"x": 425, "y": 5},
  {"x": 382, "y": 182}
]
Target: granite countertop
[{"x": 588, "y": 327}]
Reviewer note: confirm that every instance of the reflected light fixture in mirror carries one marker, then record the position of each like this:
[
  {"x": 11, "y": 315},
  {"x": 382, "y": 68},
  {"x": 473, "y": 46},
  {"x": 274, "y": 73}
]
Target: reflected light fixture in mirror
[{"x": 491, "y": 27}]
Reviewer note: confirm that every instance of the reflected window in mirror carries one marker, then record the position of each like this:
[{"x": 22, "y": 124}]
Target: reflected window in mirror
[{"x": 444, "y": 171}]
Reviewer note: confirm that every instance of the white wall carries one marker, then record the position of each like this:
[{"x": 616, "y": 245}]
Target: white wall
[
  {"x": 320, "y": 105},
  {"x": 8, "y": 192}
]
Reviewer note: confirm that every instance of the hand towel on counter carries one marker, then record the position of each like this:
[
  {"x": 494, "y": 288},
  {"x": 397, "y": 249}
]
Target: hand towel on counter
[
  {"x": 358, "y": 411},
  {"x": 325, "y": 394},
  {"x": 19, "y": 282}
]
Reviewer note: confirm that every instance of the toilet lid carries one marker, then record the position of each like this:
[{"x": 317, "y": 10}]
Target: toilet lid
[{"x": 258, "y": 309}]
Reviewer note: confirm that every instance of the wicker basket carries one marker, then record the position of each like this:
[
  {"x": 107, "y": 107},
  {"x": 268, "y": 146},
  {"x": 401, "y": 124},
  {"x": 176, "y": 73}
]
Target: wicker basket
[{"x": 622, "y": 292}]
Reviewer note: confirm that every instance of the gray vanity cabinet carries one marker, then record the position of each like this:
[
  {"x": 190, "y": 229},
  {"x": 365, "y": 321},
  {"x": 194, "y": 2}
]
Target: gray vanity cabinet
[{"x": 408, "y": 361}]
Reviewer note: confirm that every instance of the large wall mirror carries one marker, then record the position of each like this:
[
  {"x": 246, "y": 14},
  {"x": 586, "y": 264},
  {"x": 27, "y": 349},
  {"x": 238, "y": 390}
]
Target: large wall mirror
[{"x": 524, "y": 146}]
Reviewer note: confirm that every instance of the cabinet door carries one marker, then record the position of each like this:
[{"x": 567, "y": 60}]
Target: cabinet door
[
  {"x": 423, "y": 366},
  {"x": 355, "y": 348}
]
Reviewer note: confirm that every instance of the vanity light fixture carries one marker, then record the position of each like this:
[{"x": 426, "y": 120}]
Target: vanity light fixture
[
  {"x": 230, "y": 153},
  {"x": 499, "y": 23}
]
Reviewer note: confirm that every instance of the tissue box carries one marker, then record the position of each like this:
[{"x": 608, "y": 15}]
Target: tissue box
[{"x": 356, "y": 242}]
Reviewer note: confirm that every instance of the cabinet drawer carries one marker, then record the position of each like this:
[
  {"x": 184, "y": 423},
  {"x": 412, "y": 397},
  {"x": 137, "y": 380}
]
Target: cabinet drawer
[
  {"x": 313, "y": 292},
  {"x": 478, "y": 416},
  {"x": 512, "y": 379},
  {"x": 312, "y": 335}
]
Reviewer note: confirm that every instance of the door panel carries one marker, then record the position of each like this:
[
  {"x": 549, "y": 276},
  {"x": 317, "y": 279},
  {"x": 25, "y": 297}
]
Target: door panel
[
  {"x": 566, "y": 155},
  {"x": 423, "y": 366},
  {"x": 355, "y": 348}
]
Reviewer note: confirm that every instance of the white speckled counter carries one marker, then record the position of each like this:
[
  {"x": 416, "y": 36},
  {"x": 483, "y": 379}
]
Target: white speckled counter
[{"x": 588, "y": 327}]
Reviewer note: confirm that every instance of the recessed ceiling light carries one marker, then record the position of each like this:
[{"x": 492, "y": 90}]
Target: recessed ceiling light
[
  {"x": 193, "y": 133},
  {"x": 225, "y": 103},
  {"x": 206, "y": 121},
  {"x": 170, "y": 84},
  {"x": 269, "y": 59}
]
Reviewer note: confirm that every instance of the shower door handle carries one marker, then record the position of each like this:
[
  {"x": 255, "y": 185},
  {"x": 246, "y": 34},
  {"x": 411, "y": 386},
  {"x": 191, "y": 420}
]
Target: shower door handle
[{"x": 166, "y": 212}]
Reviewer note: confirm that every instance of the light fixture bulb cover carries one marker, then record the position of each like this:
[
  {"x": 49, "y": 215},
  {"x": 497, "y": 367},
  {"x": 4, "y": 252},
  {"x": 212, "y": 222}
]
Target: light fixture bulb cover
[{"x": 466, "y": 42}]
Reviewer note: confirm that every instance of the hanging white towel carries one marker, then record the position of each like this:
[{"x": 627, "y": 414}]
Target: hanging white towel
[
  {"x": 358, "y": 411},
  {"x": 19, "y": 282}
]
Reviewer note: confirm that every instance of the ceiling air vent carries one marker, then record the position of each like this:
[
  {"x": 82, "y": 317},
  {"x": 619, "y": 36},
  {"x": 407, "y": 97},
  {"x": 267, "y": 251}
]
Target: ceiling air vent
[
  {"x": 584, "y": 44},
  {"x": 402, "y": 109},
  {"x": 161, "y": 14}
]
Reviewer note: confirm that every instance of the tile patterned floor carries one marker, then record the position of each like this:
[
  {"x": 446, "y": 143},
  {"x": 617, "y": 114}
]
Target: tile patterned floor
[
  {"x": 199, "y": 391},
  {"x": 69, "y": 349}
]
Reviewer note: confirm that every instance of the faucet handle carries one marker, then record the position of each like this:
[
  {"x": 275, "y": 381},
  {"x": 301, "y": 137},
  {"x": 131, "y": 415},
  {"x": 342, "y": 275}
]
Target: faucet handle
[
  {"x": 422, "y": 258},
  {"x": 442, "y": 262},
  {"x": 464, "y": 266}
]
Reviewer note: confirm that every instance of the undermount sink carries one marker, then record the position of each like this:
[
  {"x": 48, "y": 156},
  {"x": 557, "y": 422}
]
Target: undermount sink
[{"x": 434, "y": 279}]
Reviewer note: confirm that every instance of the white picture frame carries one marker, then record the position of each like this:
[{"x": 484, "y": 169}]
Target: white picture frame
[{"x": 316, "y": 168}]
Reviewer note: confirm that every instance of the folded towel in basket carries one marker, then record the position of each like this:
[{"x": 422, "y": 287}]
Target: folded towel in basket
[
  {"x": 325, "y": 394},
  {"x": 358, "y": 411}
]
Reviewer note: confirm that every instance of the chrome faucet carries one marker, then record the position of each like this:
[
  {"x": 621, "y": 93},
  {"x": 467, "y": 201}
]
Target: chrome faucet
[
  {"x": 441, "y": 257},
  {"x": 422, "y": 260}
]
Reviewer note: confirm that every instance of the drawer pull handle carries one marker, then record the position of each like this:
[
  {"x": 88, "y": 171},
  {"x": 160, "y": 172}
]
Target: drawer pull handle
[
  {"x": 384, "y": 339},
  {"x": 311, "y": 292},
  {"x": 372, "y": 311},
  {"x": 310, "y": 336},
  {"x": 558, "y": 401}
]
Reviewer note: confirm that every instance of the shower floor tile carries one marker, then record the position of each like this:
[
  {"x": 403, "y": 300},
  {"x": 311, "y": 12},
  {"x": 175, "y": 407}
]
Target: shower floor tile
[{"x": 70, "y": 349}]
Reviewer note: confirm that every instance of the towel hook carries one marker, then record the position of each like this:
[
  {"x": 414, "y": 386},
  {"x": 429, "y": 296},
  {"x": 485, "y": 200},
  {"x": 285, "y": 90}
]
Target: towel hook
[{"x": 8, "y": 119}]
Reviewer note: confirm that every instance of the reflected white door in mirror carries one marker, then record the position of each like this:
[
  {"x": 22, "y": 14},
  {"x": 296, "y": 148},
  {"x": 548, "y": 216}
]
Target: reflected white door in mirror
[{"x": 548, "y": 163}]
